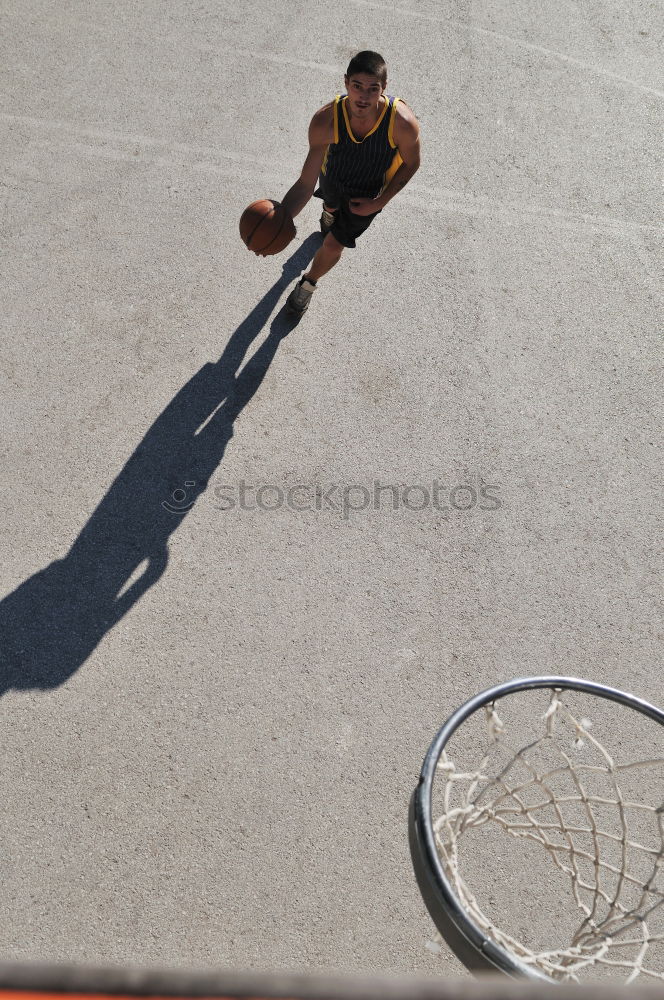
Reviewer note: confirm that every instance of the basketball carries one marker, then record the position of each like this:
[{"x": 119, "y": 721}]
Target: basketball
[{"x": 265, "y": 227}]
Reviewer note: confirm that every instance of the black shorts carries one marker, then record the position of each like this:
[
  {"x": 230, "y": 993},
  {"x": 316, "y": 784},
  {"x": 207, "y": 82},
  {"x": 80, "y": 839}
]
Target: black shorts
[{"x": 347, "y": 225}]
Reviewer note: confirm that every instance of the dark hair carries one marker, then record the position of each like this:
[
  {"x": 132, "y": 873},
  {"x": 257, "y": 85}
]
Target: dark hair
[{"x": 368, "y": 62}]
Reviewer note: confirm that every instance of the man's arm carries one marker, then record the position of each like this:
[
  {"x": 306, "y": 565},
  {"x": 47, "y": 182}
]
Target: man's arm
[
  {"x": 407, "y": 139},
  {"x": 321, "y": 131}
]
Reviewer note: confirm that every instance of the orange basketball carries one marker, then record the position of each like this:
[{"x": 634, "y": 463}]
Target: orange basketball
[{"x": 266, "y": 227}]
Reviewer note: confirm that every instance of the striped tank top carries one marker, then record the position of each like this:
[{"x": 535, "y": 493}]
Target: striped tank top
[{"x": 362, "y": 167}]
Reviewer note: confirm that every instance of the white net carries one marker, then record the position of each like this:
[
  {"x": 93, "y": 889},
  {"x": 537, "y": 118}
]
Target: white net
[{"x": 599, "y": 823}]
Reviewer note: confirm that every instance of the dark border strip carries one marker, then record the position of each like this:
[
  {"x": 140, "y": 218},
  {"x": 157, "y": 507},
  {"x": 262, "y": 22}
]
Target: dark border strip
[{"x": 119, "y": 981}]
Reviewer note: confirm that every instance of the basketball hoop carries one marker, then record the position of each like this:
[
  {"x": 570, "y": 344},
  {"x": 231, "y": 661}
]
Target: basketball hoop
[{"x": 562, "y": 789}]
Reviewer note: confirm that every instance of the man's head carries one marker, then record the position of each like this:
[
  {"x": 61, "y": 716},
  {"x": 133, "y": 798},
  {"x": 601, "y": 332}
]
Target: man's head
[
  {"x": 370, "y": 63},
  {"x": 365, "y": 80}
]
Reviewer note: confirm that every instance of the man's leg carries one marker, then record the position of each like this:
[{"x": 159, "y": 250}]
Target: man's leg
[
  {"x": 327, "y": 218},
  {"x": 331, "y": 196},
  {"x": 325, "y": 259}
]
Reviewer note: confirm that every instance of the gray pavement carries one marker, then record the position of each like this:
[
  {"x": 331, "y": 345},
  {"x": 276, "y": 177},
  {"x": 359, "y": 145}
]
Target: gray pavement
[{"x": 213, "y": 717}]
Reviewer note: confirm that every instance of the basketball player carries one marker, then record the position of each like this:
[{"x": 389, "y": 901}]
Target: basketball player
[{"x": 363, "y": 149}]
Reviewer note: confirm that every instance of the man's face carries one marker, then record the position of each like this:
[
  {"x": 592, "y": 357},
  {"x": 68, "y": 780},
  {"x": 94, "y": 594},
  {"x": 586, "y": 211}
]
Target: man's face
[{"x": 364, "y": 94}]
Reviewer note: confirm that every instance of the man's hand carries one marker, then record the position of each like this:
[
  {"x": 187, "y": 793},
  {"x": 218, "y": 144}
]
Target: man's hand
[{"x": 365, "y": 206}]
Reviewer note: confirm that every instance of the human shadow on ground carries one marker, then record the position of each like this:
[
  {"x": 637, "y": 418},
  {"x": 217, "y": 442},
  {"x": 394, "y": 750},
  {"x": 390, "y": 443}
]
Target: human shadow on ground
[{"x": 52, "y": 622}]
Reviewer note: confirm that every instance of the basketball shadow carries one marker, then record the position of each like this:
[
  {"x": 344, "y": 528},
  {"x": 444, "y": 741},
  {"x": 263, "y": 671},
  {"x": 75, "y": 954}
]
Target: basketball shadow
[{"x": 52, "y": 622}]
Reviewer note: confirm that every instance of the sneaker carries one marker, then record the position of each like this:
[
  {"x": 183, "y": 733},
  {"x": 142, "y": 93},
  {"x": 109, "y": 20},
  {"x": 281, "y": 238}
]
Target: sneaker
[
  {"x": 297, "y": 302},
  {"x": 326, "y": 221}
]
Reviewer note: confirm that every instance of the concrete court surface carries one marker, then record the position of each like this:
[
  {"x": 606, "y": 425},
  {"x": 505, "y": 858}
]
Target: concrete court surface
[{"x": 213, "y": 716}]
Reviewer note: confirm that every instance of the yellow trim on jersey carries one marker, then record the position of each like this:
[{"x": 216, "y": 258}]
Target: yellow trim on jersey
[
  {"x": 390, "y": 127},
  {"x": 349, "y": 129},
  {"x": 391, "y": 170}
]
